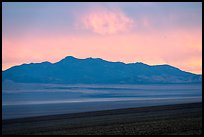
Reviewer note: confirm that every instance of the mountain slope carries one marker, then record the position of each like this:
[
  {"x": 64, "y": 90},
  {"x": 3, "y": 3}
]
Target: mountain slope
[{"x": 97, "y": 71}]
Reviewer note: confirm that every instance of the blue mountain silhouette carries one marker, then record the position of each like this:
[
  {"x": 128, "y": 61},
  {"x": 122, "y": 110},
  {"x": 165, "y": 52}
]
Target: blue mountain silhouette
[{"x": 97, "y": 71}]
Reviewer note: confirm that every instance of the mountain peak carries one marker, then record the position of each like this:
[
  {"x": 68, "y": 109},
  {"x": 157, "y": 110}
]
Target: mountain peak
[
  {"x": 95, "y": 59},
  {"x": 166, "y": 66},
  {"x": 69, "y": 57},
  {"x": 140, "y": 63}
]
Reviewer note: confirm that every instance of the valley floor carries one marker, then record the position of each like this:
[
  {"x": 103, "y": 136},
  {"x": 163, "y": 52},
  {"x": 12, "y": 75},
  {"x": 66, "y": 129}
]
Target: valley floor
[{"x": 180, "y": 119}]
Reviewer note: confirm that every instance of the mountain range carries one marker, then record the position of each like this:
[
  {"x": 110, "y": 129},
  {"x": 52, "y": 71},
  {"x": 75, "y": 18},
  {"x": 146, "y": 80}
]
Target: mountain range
[{"x": 71, "y": 70}]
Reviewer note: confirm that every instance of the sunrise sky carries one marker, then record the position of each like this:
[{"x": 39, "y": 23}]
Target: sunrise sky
[{"x": 152, "y": 33}]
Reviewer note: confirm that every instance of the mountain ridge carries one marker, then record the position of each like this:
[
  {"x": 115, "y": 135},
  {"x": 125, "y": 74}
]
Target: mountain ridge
[{"x": 97, "y": 71}]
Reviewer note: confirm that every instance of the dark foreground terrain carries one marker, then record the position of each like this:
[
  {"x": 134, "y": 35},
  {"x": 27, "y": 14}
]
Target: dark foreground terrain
[{"x": 180, "y": 119}]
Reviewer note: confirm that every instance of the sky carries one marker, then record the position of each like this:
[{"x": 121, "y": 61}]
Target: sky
[{"x": 152, "y": 33}]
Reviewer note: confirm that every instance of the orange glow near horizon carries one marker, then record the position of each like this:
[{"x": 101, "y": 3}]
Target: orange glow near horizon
[{"x": 183, "y": 52}]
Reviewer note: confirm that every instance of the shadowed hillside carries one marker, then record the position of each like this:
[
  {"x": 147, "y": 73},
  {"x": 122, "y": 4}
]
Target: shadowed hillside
[{"x": 97, "y": 71}]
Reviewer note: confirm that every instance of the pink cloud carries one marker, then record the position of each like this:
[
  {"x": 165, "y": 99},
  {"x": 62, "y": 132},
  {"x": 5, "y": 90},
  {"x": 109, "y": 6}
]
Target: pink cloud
[{"x": 106, "y": 21}]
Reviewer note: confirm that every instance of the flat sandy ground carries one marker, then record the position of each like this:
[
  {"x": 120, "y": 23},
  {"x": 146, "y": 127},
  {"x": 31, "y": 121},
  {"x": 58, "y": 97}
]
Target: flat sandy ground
[{"x": 180, "y": 119}]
